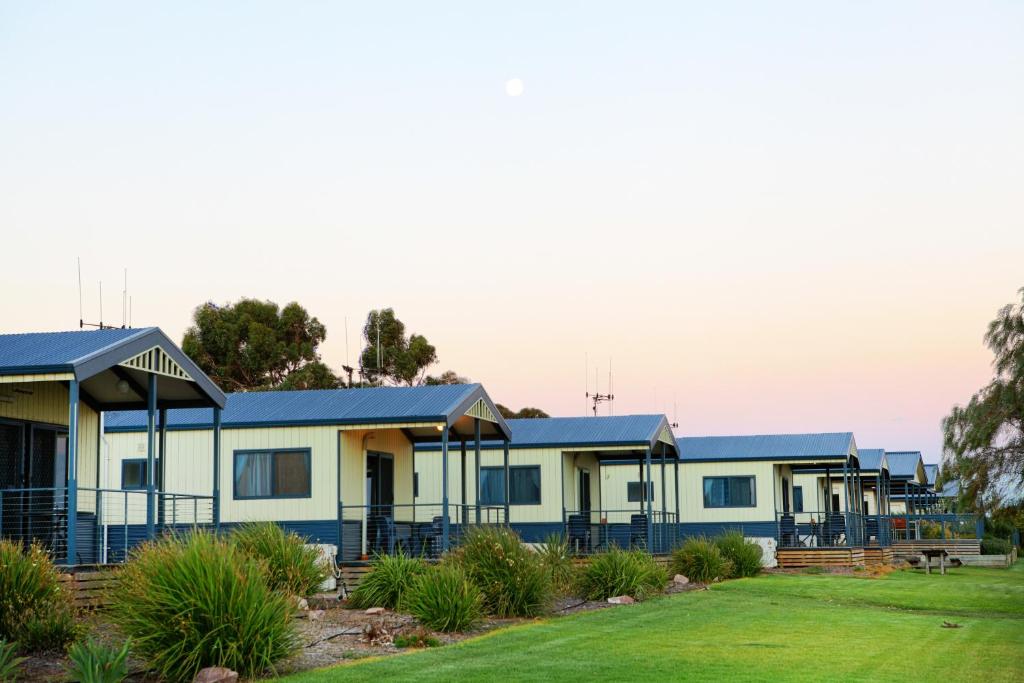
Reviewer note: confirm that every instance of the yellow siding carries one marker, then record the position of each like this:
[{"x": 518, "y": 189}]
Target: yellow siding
[
  {"x": 615, "y": 480},
  {"x": 189, "y": 467},
  {"x": 691, "y": 491}
]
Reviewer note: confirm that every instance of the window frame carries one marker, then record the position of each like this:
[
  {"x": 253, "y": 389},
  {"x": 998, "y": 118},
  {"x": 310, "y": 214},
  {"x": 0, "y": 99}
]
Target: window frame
[
  {"x": 650, "y": 491},
  {"x": 798, "y": 507},
  {"x": 145, "y": 463},
  {"x": 753, "y": 491},
  {"x": 500, "y": 468},
  {"x": 308, "y": 456}
]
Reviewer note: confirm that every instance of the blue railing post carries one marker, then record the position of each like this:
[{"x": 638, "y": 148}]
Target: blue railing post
[
  {"x": 150, "y": 459},
  {"x": 650, "y": 504},
  {"x": 216, "y": 469},
  {"x": 72, "y": 498},
  {"x": 445, "y": 522}
]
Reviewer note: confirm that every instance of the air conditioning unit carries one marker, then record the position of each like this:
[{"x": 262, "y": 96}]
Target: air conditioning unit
[{"x": 327, "y": 554}]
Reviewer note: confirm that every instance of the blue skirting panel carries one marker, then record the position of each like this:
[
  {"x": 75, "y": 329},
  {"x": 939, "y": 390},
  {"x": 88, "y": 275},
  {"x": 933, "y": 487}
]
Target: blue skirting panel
[{"x": 711, "y": 529}]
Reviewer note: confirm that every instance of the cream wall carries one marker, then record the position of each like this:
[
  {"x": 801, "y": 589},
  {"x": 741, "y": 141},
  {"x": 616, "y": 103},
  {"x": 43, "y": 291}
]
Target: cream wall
[
  {"x": 615, "y": 478},
  {"x": 189, "y": 467},
  {"x": 48, "y": 403},
  {"x": 691, "y": 491}
]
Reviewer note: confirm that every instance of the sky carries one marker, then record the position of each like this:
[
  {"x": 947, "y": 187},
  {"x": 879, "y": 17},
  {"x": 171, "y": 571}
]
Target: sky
[{"x": 767, "y": 217}]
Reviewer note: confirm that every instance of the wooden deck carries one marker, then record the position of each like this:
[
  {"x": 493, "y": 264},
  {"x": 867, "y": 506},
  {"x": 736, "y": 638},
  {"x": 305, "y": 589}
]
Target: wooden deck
[
  {"x": 90, "y": 588},
  {"x": 876, "y": 555},
  {"x": 793, "y": 558},
  {"x": 959, "y": 547}
]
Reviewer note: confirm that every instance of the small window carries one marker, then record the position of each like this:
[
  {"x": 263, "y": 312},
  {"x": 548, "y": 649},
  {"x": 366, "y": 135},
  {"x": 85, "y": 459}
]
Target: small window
[
  {"x": 272, "y": 474},
  {"x": 798, "y": 498},
  {"x": 633, "y": 491},
  {"x": 524, "y": 485},
  {"x": 133, "y": 474},
  {"x": 415, "y": 484},
  {"x": 729, "y": 492}
]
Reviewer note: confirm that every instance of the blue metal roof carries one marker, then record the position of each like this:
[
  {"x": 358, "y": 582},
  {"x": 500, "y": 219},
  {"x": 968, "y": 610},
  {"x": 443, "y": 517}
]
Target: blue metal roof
[
  {"x": 57, "y": 351},
  {"x": 870, "y": 458},
  {"x": 766, "y": 447},
  {"x": 322, "y": 406},
  {"x": 903, "y": 464},
  {"x": 613, "y": 430}
]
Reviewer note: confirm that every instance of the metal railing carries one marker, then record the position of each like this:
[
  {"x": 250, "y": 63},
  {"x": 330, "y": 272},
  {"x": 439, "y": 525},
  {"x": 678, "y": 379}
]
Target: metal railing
[
  {"x": 933, "y": 526},
  {"x": 108, "y": 522},
  {"x": 812, "y": 529},
  {"x": 414, "y": 529},
  {"x": 877, "y": 530},
  {"x": 594, "y": 531}
]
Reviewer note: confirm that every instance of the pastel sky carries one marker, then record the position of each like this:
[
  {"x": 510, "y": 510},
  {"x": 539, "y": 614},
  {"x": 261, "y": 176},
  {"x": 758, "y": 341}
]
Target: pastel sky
[{"x": 772, "y": 217}]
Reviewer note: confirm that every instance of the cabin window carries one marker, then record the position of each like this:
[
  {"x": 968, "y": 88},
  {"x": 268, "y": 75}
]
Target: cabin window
[
  {"x": 273, "y": 474},
  {"x": 415, "y": 484},
  {"x": 729, "y": 492},
  {"x": 133, "y": 474},
  {"x": 523, "y": 489},
  {"x": 798, "y": 499},
  {"x": 633, "y": 492}
]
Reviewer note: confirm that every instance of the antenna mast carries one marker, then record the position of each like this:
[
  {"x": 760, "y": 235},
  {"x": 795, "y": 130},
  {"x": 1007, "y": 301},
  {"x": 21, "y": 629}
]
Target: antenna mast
[
  {"x": 347, "y": 367},
  {"x": 597, "y": 397}
]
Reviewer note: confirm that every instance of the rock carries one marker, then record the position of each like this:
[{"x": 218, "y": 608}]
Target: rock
[
  {"x": 680, "y": 580},
  {"x": 316, "y": 615},
  {"x": 376, "y": 610},
  {"x": 621, "y": 600},
  {"x": 302, "y": 604},
  {"x": 216, "y": 674}
]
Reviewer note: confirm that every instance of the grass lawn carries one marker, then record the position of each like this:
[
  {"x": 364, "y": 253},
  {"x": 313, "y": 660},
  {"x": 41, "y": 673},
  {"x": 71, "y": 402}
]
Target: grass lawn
[{"x": 780, "y": 627}]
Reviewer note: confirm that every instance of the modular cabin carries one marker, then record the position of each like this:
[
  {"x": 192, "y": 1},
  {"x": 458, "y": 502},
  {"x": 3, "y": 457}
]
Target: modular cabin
[
  {"x": 55, "y": 388},
  {"x": 558, "y": 468},
  {"x": 336, "y": 466},
  {"x": 746, "y": 483}
]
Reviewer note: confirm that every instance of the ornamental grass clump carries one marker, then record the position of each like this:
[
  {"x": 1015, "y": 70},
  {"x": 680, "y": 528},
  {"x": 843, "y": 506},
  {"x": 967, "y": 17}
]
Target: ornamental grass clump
[
  {"x": 388, "y": 582},
  {"x": 194, "y": 601},
  {"x": 511, "y": 577},
  {"x": 93, "y": 662},
  {"x": 621, "y": 572},
  {"x": 291, "y": 565},
  {"x": 744, "y": 555},
  {"x": 445, "y": 599},
  {"x": 700, "y": 560},
  {"x": 35, "y": 609},
  {"x": 557, "y": 560}
]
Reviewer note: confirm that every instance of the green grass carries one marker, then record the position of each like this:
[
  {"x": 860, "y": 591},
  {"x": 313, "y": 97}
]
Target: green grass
[{"x": 779, "y": 627}]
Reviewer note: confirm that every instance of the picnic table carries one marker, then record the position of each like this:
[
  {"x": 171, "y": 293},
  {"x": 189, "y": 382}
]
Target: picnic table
[{"x": 928, "y": 554}]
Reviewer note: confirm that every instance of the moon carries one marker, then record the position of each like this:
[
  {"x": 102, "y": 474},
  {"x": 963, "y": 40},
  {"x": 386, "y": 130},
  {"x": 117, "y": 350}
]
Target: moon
[{"x": 514, "y": 87}]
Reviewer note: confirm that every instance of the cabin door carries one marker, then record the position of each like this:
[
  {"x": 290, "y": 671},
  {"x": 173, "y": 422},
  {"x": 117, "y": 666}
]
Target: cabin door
[
  {"x": 584, "y": 496},
  {"x": 380, "y": 482}
]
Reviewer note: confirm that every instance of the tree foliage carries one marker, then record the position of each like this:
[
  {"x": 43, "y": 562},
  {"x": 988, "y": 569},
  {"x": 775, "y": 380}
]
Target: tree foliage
[
  {"x": 446, "y": 377},
  {"x": 984, "y": 440},
  {"x": 255, "y": 345},
  {"x": 522, "y": 413},
  {"x": 391, "y": 357}
]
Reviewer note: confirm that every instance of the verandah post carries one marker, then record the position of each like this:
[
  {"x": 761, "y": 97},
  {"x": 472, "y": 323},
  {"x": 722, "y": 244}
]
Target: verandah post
[
  {"x": 476, "y": 451},
  {"x": 650, "y": 503},
  {"x": 216, "y": 472},
  {"x": 444, "y": 489},
  {"x": 664, "y": 501},
  {"x": 150, "y": 458},
  {"x": 73, "y": 391},
  {"x": 679, "y": 519}
]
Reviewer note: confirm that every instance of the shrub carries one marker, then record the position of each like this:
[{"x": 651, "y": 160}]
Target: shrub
[
  {"x": 511, "y": 577},
  {"x": 445, "y": 599},
  {"x": 388, "y": 582},
  {"x": 9, "y": 664},
  {"x": 556, "y": 558},
  {"x": 417, "y": 639},
  {"x": 93, "y": 662},
  {"x": 35, "y": 610},
  {"x": 996, "y": 546},
  {"x": 700, "y": 560},
  {"x": 745, "y": 556},
  {"x": 194, "y": 601},
  {"x": 621, "y": 572},
  {"x": 291, "y": 565}
]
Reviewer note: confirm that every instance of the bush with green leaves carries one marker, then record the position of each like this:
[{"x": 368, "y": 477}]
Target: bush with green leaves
[
  {"x": 36, "y": 611},
  {"x": 744, "y": 555},
  {"x": 388, "y": 582},
  {"x": 512, "y": 578},
  {"x": 445, "y": 599},
  {"x": 621, "y": 572},
  {"x": 196, "y": 600},
  {"x": 9, "y": 662},
  {"x": 557, "y": 559},
  {"x": 93, "y": 662},
  {"x": 292, "y": 566},
  {"x": 699, "y": 559},
  {"x": 996, "y": 546}
]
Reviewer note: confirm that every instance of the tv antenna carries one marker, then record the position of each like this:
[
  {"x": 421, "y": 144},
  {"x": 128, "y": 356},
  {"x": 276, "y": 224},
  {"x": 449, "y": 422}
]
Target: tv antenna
[
  {"x": 597, "y": 398},
  {"x": 346, "y": 367},
  {"x": 81, "y": 315},
  {"x": 675, "y": 414}
]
